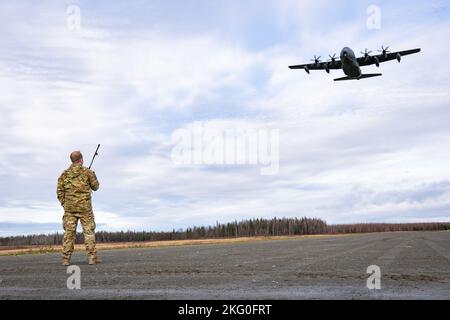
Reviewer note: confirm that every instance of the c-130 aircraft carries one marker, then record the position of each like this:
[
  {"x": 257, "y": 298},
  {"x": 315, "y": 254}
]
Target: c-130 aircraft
[{"x": 351, "y": 65}]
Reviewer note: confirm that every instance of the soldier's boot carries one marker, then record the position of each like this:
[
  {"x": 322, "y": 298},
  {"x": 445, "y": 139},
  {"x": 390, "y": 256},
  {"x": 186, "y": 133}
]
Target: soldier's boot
[
  {"x": 94, "y": 259},
  {"x": 65, "y": 262}
]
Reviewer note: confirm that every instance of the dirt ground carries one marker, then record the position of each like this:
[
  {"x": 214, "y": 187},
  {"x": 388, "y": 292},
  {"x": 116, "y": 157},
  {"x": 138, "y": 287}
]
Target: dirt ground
[{"x": 414, "y": 265}]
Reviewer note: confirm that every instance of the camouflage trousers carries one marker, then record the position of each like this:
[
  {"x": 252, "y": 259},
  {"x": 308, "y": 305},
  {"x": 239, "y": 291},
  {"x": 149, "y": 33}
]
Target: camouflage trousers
[{"x": 70, "y": 222}]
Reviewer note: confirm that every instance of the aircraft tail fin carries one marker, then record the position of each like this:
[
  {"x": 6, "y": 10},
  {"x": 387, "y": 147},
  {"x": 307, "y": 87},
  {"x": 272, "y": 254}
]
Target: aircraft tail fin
[{"x": 363, "y": 76}]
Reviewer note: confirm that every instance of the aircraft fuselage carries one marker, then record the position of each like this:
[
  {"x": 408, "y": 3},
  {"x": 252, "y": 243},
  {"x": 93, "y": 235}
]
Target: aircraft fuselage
[{"x": 350, "y": 65}]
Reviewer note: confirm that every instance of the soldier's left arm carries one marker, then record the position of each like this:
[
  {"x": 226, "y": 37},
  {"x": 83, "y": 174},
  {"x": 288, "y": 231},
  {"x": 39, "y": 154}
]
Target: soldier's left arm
[
  {"x": 93, "y": 181},
  {"x": 60, "y": 192}
]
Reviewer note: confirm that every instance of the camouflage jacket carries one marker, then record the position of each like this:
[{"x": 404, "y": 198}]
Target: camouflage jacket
[{"x": 74, "y": 189}]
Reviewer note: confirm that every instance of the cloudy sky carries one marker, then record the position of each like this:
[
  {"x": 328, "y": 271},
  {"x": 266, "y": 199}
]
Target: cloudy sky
[{"x": 133, "y": 73}]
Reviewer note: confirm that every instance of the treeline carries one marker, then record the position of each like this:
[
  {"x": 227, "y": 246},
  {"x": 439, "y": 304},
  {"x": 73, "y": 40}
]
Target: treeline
[
  {"x": 387, "y": 227},
  {"x": 247, "y": 228}
]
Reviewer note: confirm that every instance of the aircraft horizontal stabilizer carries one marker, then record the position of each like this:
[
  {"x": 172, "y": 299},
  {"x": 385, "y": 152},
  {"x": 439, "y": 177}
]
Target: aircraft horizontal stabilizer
[{"x": 363, "y": 76}]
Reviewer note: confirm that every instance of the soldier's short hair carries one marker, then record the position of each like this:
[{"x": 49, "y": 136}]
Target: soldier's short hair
[{"x": 76, "y": 156}]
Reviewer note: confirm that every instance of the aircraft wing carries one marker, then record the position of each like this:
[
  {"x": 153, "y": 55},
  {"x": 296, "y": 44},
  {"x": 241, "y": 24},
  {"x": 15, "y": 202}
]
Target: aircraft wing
[
  {"x": 319, "y": 66},
  {"x": 363, "y": 61}
]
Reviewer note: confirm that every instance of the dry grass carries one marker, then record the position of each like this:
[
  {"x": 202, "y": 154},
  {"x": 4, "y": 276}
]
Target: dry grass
[{"x": 153, "y": 244}]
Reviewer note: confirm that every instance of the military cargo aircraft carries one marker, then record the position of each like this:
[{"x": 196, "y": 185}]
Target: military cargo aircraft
[{"x": 351, "y": 65}]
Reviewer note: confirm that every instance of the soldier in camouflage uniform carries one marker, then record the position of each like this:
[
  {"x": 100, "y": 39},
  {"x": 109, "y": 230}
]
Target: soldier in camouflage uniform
[{"x": 74, "y": 193}]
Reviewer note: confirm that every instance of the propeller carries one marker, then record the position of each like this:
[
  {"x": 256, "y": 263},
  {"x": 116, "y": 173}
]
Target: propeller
[
  {"x": 316, "y": 60},
  {"x": 333, "y": 58},
  {"x": 384, "y": 50},
  {"x": 366, "y": 53}
]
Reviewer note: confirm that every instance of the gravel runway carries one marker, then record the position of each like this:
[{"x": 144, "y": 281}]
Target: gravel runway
[{"x": 414, "y": 265}]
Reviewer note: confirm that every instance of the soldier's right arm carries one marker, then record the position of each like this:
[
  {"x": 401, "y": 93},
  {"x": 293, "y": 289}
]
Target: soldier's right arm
[
  {"x": 93, "y": 181},
  {"x": 60, "y": 192}
]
